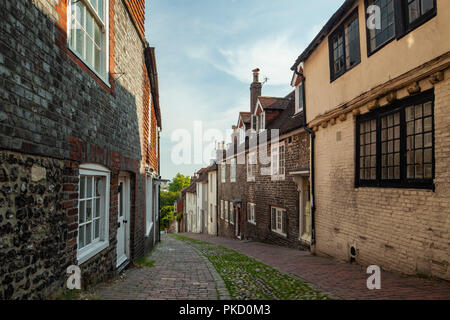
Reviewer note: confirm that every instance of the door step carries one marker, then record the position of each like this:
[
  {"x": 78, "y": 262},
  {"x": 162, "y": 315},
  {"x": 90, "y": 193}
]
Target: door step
[{"x": 123, "y": 266}]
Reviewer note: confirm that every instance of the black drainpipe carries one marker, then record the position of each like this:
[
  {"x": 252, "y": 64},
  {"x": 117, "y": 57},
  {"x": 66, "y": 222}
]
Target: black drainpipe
[
  {"x": 159, "y": 189},
  {"x": 217, "y": 200},
  {"x": 312, "y": 175}
]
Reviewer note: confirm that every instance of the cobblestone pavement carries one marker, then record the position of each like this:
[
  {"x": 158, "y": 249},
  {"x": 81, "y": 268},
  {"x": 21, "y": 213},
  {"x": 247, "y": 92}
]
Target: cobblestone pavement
[
  {"x": 249, "y": 279},
  {"x": 179, "y": 272},
  {"x": 343, "y": 280}
]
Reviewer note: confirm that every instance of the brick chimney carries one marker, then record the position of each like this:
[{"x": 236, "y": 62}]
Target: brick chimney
[{"x": 255, "y": 90}]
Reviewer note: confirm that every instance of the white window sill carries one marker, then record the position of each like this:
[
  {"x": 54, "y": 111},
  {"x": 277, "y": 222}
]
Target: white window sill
[
  {"x": 251, "y": 179},
  {"x": 278, "y": 177},
  {"x": 85, "y": 254},
  {"x": 252, "y": 222},
  {"x": 279, "y": 233}
]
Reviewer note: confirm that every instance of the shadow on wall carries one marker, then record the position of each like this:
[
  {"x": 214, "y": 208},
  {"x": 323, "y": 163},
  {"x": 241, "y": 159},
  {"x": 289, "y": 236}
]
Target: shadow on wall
[{"x": 53, "y": 117}]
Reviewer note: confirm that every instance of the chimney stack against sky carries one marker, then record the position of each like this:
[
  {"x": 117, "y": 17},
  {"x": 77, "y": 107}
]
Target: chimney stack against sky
[{"x": 255, "y": 90}]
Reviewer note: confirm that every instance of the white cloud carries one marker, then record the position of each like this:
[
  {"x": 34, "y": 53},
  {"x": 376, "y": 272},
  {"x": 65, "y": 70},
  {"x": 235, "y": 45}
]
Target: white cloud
[{"x": 273, "y": 54}]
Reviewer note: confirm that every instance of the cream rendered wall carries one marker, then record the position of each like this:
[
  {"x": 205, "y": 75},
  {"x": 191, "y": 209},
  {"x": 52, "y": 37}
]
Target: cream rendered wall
[{"x": 428, "y": 41}]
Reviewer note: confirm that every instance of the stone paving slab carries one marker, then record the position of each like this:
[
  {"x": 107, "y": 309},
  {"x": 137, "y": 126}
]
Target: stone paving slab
[
  {"x": 179, "y": 273},
  {"x": 343, "y": 280}
]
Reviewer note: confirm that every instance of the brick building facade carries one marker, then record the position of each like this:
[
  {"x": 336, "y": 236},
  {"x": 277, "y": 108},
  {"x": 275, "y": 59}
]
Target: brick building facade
[
  {"x": 78, "y": 100},
  {"x": 254, "y": 201},
  {"x": 381, "y": 125}
]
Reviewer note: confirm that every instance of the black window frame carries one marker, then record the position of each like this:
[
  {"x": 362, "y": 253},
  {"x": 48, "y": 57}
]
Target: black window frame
[
  {"x": 407, "y": 26},
  {"x": 396, "y": 27},
  {"x": 403, "y": 182},
  {"x": 340, "y": 30},
  {"x": 401, "y": 25}
]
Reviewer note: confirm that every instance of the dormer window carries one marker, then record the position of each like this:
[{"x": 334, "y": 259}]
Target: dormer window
[
  {"x": 242, "y": 134},
  {"x": 299, "y": 100},
  {"x": 260, "y": 121}
]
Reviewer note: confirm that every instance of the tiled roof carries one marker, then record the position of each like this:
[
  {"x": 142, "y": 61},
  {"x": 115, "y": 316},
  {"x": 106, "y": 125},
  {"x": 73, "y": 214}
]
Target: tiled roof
[
  {"x": 246, "y": 116},
  {"x": 273, "y": 103},
  {"x": 287, "y": 120},
  {"x": 192, "y": 188}
]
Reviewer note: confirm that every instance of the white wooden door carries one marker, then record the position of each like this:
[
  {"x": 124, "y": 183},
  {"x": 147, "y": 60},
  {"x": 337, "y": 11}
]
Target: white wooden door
[{"x": 123, "y": 217}]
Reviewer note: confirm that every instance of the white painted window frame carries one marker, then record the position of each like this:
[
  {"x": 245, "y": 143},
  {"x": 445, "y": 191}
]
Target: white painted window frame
[
  {"x": 251, "y": 212},
  {"x": 278, "y": 215},
  {"x": 233, "y": 170},
  {"x": 251, "y": 165},
  {"x": 298, "y": 102},
  {"x": 104, "y": 29},
  {"x": 223, "y": 173},
  {"x": 222, "y": 209},
  {"x": 226, "y": 211},
  {"x": 276, "y": 163},
  {"x": 94, "y": 248},
  {"x": 231, "y": 215}
]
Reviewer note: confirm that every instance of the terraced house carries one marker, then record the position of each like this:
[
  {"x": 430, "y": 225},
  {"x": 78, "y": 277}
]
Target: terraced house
[
  {"x": 263, "y": 188},
  {"x": 376, "y": 93},
  {"x": 79, "y": 139}
]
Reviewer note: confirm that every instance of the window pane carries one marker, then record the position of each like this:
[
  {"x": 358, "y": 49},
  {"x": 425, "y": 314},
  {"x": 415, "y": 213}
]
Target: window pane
[
  {"x": 79, "y": 47},
  {"x": 97, "y": 207},
  {"x": 89, "y": 51},
  {"x": 427, "y": 5},
  {"x": 81, "y": 237},
  {"x": 90, "y": 25},
  {"x": 79, "y": 8},
  {"x": 428, "y": 140},
  {"x": 427, "y": 110},
  {"x": 428, "y": 171},
  {"x": 88, "y": 238},
  {"x": 413, "y": 10},
  {"x": 98, "y": 186},
  {"x": 378, "y": 37},
  {"x": 352, "y": 43},
  {"x": 88, "y": 210},
  {"x": 82, "y": 214},
  {"x": 97, "y": 229},
  {"x": 427, "y": 124},
  {"x": 410, "y": 172},
  {"x": 428, "y": 155},
  {"x": 97, "y": 35},
  {"x": 82, "y": 187},
  {"x": 89, "y": 181}
]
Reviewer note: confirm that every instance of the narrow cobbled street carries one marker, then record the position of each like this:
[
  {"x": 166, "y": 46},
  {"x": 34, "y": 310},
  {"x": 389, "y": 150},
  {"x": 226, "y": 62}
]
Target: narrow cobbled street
[
  {"x": 183, "y": 268},
  {"x": 201, "y": 267},
  {"x": 175, "y": 271}
]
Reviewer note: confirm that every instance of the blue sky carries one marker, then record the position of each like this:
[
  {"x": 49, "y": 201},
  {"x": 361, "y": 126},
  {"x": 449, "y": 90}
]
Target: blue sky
[{"x": 205, "y": 52}]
